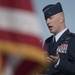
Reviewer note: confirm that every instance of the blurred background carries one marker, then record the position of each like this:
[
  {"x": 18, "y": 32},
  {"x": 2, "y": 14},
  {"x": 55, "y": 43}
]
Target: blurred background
[
  {"x": 20, "y": 31},
  {"x": 68, "y": 7}
]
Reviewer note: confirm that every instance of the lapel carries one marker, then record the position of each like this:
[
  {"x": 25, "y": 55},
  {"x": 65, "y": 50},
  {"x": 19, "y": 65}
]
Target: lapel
[
  {"x": 50, "y": 46},
  {"x": 62, "y": 38}
]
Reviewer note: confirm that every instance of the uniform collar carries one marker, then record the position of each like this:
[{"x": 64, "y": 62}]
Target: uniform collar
[{"x": 59, "y": 34}]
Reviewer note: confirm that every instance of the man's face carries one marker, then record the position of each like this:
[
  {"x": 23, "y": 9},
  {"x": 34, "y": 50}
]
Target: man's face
[{"x": 54, "y": 23}]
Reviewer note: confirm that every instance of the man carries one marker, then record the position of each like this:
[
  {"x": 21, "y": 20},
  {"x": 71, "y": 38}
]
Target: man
[{"x": 60, "y": 46}]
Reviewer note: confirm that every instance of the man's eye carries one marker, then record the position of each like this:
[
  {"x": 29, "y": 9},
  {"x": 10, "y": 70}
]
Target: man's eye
[{"x": 50, "y": 17}]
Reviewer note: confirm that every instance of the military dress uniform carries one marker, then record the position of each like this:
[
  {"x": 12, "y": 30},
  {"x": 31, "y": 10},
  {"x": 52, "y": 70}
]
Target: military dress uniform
[{"x": 65, "y": 46}]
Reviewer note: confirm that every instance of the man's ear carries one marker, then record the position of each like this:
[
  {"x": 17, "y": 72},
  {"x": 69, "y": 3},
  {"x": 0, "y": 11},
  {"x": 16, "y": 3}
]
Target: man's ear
[{"x": 61, "y": 19}]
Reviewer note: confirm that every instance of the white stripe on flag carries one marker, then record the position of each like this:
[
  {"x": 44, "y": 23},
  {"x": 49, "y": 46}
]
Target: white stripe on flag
[{"x": 20, "y": 21}]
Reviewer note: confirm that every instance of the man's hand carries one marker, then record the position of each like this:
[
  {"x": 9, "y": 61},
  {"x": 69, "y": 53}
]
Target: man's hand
[{"x": 53, "y": 59}]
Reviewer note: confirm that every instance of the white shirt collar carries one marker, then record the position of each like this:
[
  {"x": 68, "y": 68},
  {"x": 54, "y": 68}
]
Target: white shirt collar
[{"x": 59, "y": 34}]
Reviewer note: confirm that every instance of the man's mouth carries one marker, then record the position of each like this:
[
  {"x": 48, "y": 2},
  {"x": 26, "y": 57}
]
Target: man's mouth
[{"x": 49, "y": 26}]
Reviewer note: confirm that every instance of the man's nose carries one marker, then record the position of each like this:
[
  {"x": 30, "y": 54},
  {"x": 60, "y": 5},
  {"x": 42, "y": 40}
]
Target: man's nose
[{"x": 48, "y": 21}]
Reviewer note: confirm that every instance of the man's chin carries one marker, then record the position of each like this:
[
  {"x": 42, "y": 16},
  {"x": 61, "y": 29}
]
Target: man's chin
[{"x": 52, "y": 31}]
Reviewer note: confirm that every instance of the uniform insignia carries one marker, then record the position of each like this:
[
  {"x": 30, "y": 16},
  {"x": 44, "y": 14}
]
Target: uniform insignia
[
  {"x": 62, "y": 48},
  {"x": 67, "y": 38}
]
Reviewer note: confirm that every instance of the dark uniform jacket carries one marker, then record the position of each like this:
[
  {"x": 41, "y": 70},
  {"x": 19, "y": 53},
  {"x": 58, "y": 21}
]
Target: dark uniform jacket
[{"x": 66, "y": 49}]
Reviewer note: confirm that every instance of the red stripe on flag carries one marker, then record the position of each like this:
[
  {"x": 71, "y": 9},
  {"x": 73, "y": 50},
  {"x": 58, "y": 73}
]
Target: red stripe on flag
[
  {"x": 20, "y": 4},
  {"x": 25, "y": 67},
  {"x": 20, "y": 38}
]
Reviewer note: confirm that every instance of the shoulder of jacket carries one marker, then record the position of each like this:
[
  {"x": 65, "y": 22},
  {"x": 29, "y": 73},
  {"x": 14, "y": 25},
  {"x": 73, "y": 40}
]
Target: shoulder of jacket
[
  {"x": 71, "y": 34},
  {"x": 48, "y": 39}
]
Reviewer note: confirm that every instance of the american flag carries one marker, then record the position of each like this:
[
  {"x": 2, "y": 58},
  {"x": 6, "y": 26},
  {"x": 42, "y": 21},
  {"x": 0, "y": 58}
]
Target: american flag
[{"x": 20, "y": 39}]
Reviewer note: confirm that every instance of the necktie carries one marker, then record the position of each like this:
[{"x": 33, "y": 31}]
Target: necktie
[
  {"x": 54, "y": 49},
  {"x": 54, "y": 41}
]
